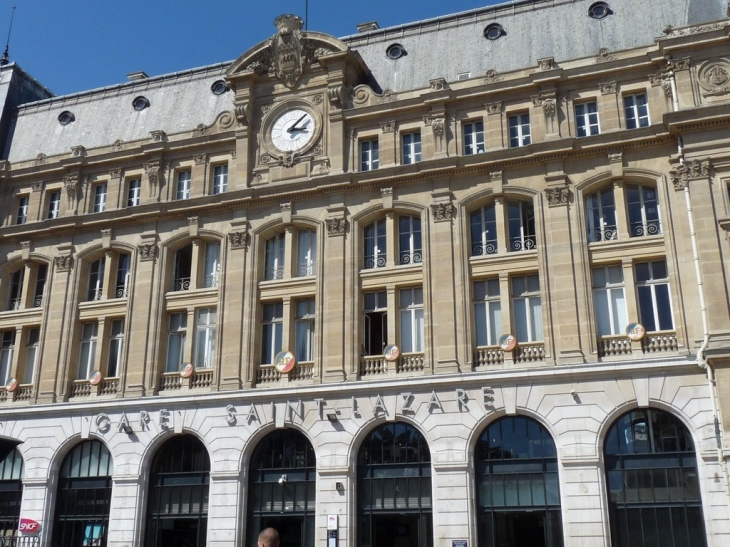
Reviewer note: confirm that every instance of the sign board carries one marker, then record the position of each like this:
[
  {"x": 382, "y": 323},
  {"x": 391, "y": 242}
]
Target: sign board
[
  {"x": 284, "y": 361},
  {"x": 29, "y": 526},
  {"x": 12, "y": 385},
  {"x": 392, "y": 353},
  {"x": 95, "y": 378},
  {"x": 459, "y": 543},
  {"x": 331, "y": 522},
  {"x": 635, "y": 331},
  {"x": 507, "y": 342},
  {"x": 187, "y": 371}
]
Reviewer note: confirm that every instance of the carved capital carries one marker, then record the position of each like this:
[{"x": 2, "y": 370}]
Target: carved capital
[
  {"x": 492, "y": 76},
  {"x": 548, "y": 102},
  {"x": 201, "y": 130},
  {"x": 605, "y": 55},
  {"x": 696, "y": 169},
  {"x": 238, "y": 239},
  {"x": 388, "y": 127},
  {"x": 115, "y": 174},
  {"x": 152, "y": 169},
  {"x": 200, "y": 159},
  {"x": 40, "y": 159},
  {"x": 336, "y": 226},
  {"x": 661, "y": 79},
  {"x": 70, "y": 183},
  {"x": 546, "y": 64},
  {"x": 335, "y": 95},
  {"x": 442, "y": 211},
  {"x": 493, "y": 108},
  {"x": 36, "y": 186},
  {"x": 158, "y": 136},
  {"x": 608, "y": 88},
  {"x": 63, "y": 263},
  {"x": 437, "y": 84},
  {"x": 557, "y": 196},
  {"x": 147, "y": 251},
  {"x": 78, "y": 151}
]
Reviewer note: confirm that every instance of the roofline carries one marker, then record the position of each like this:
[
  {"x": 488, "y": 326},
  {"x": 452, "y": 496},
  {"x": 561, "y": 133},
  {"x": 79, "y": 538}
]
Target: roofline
[
  {"x": 451, "y": 17},
  {"x": 16, "y": 67},
  {"x": 136, "y": 83}
]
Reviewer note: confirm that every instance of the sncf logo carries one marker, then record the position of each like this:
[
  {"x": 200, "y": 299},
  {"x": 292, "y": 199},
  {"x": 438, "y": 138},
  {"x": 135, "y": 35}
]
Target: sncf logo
[{"x": 29, "y": 526}]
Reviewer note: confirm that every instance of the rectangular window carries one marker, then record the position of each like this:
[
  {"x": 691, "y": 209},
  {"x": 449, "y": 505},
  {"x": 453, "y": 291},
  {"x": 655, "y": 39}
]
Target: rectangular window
[
  {"x": 87, "y": 351},
  {"x": 409, "y": 240},
  {"x": 637, "y": 111},
  {"x": 205, "y": 331},
  {"x": 274, "y": 258},
  {"x": 134, "y": 191},
  {"x": 527, "y": 308},
  {"x": 116, "y": 340},
  {"x": 183, "y": 185},
  {"x": 521, "y": 225},
  {"x": 487, "y": 312},
  {"x": 375, "y": 244},
  {"x": 411, "y": 320},
  {"x": 586, "y": 119},
  {"x": 22, "y": 216},
  {"x": 40, "y": 285},
  {"x": 643, "y": 206},
  {"x": 271, "y": 331},
  {"x": 7, "y": 346},
  {"x": 519, "y": 130},
  {"x": 473, "y": 138},
  {"x": 123, "y": 275},
  {"x": 220, "y": 179},
  {"x": 601, "y": 215},
  {"x": 307, "y": 253},
  {"x": 608, "y": 296},
  {"x": 463, "y": 76},
  {"x": 31, "y": 356},
  {"x": 54, "y": 204},
  {"x": 100, "y": 198},
  {"x": 375, "y": 322},
  {"x": 655, "y": 303},
  {"x": 484, "y": 231},
  {"x": 369, "y": 157},
  {"x": 182, "y": 268},
  {"x": 16, "y": 289},
  {"x": 411, "y": 148},
  {"x": 176, "y": 333},
  {"x": 304, "y": 331},
  {"x": 212, "y": 273},
  {"x": 96, "y": 280}
]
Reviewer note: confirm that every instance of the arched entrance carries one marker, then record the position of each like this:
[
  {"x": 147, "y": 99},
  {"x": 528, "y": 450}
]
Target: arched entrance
[
  {"x": 84, "y": 495},
  {"x": 653, "y": 485},
  {"x": 177, "y": 510},
  {"x": 394, "y": 488},
  {"x": 11, "y": 488},
  {"x": 282, "y": 488},
  {"x": 518, "y": 497}
]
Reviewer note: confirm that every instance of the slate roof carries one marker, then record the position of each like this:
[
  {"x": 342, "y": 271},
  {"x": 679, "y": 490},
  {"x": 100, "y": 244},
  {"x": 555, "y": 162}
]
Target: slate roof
[{"x": 441, "y": 47}]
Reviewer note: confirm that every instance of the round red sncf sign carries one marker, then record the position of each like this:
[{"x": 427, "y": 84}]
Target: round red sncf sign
[{"x": 29, "y": 526}]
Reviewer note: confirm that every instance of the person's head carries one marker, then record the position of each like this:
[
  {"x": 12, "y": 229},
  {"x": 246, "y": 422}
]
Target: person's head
[{"x": 268, "y": 537}]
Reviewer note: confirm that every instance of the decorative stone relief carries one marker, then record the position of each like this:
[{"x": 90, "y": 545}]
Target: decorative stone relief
[
  {"x": 323, "y": 168},
  {"x": 115, "y": 174},
  {"x": 714, "y": 77},
  {"x": 318, "y": 150},
  {"x": 616, "y": 157},
  {"x": 662, "y": 79},
  {"x": 287, "y": 160},
  {"x": 225, "y": 119},
  {"x": 438, "y": 126},
  {"x": 201, "y": 130},
  {"x": 680, "y": 64},
  {"x": 696, "y": 169},
  {"x": 335, "y": 95},
  {"x": 546, "y": 64},
  {"x": 78, "y": 151},
  {"x": 243, "y": 114},
  {"x": 158, "y": 136},
  {"x": 608, "y": 88},
  {"x": 70, "y": 183},
  {"x": 36, "y": 186},
  {"x": 40, "y": 159},
  {"x": 63, "y": 263},
  {"x": 437, "y": 83},
  {"x": 547, "y": 101},
  {"x": 492, "y": 76},
  {"x": 318, "y": 99},
  {"x": 265, "y": 158},
  {"x": 442, "y": 211},
  {"x": 671, "y": 32},
  {"x": 336, "y": 226},
  {"x": 557, "y": 196},
  {"x": 387, "y": 127},
  {"x": 605, "y": 55},
  {"x": 387, "y": 97},
  {"x": 147, "y": 251},
  {"x": 152, "y": 169},
  {"x": 493, "y": 108},
  {"x": 200, "y": 159},
  {"x": 118, "y": 145},
  {"x": 286, "y": 47},
  {"x": 238, "y": 239}
]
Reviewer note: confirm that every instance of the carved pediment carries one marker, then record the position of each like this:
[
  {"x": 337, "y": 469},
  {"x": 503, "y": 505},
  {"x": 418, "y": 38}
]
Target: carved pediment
[{"x": 287, "y": 54}]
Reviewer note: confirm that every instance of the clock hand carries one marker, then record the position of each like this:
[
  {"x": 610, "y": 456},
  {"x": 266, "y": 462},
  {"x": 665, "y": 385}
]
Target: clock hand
[{"x": 294, "y": 127}]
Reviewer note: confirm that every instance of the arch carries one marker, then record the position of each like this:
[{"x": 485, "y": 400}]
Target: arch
[
  {"x": 11, "y": 486},
  {"x": 394, "y": 486},
  {"x": 652, "y": 480},
  {"x": 83, "y": 497},
  {"x": 253, "y": 441},
  {"x": 518, "y": 493},
  {"x": 177, "y": 507},
  {"x": 150, "y": 451},
  {"x": 282, "y": 487}
]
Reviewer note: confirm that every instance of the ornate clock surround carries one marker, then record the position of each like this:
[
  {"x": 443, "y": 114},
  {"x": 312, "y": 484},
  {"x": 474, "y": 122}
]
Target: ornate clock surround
[{"x": 268, "y": 151}]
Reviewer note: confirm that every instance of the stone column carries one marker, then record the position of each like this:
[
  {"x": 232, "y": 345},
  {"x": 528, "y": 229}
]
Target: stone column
[
  {"x": 332, "y": 276},
  {"x": 564, "y": 277},
  {"x": 230, "y": 324},
  {"x": 494, "y": 133},
  {"x": 387, "y": 144},
  {"x": 199, "y": 176},
  {"x": 442, "y": 276}
]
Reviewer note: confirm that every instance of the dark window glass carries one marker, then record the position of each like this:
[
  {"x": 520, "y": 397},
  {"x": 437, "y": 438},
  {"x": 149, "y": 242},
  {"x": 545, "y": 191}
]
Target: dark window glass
[{"x": 11, "y": 487}]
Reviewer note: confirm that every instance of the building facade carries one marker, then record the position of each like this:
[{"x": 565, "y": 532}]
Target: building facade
[{"x": 460, "y": 282}]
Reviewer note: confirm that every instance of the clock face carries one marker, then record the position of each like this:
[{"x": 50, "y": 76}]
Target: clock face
[{"x": 293, "y": 130}]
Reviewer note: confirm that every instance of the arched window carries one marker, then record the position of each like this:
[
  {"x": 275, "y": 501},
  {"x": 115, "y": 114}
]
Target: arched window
[
  {"x": 394, "y": 488},
  {"x": 84, "y": 496},
  {"x": 518, "y": 219},
  {"x": 32, "y": 276},
  {"x": 11, "y": 488},
  {"x": 177, "y": 510},
  {"x": 653, "y": 485},
  {"x": 601, "y": 215},
  {"x": 517, "y": 485},
  {"x": 282, "y": 488}
]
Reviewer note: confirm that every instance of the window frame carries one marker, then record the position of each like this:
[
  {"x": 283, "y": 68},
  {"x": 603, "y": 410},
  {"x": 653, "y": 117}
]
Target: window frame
[
  {"x": 272, "y": 331},
  {"x": 100, "y": 196},
  {"x": 21, "y": 216},
  {"x": 653, "y": 284},
  {"x": 379, "y": 310},
  {"x": 88, "y": 346},
  {"x": 520, "y": 130},
  {"x": 306, "y": 252},
  {"x": 597, "y": 212},
  {"x": 54, "y": 205},
  {"x": 369, "y": 150},
  {"x": 184, "y": 184},
  {"x": 479, "y": 225},
  {"x": 219, "y": 176},
  {"x": 533, "y": 319},
  {"x": 642, "y": 226},
  {"x": 206, "y": 329},
  {"x": 491, "y": 316},
  {"x": 375, "y": 236},
  {"x": 583, "y": 121},
  {"x": 632, "y": 112},
  {"x": 116, "y": 347},
  {"x": 411, "y": 314},
  {"x": 473, "y": 134},
  {"x": 274, "y": 257},
  {"x": 305, "y": 329},
  {"x": 607, "y": 291},
  {"x": 526, "y": 238},
  {"x": 134, "y": 191},
  {"x": 410, "y": 240},
  {"x": 411, "y": 147},
  {"x": 7, "y": 350},
  {"x": 178, "y": 334}
]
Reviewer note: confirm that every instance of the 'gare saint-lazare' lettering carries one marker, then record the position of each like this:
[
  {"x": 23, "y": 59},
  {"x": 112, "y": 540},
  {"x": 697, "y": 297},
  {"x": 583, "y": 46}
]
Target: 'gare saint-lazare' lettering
[{"x": 406, "y": 404}]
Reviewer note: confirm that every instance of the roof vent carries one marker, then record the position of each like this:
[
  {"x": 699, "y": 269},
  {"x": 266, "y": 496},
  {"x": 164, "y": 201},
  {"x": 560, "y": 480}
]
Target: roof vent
[
  {"x": 137, "y": 76},
  {"x": 140, "y": 103},
  {"x": 66, "y": 117},
  {"x": 367, "y": 27}
]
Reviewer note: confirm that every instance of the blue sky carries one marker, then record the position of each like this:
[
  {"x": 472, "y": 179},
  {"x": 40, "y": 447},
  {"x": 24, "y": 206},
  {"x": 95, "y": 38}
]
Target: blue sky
[{"x": 75, "y": 45}]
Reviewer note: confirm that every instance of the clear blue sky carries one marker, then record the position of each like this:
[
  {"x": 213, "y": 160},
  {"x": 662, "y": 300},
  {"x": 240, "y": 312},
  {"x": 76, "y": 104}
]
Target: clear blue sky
[{"x": 76, "y": 45}]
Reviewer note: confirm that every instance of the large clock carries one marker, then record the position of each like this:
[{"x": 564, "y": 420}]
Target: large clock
[{"x": 293, "y": 130}]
